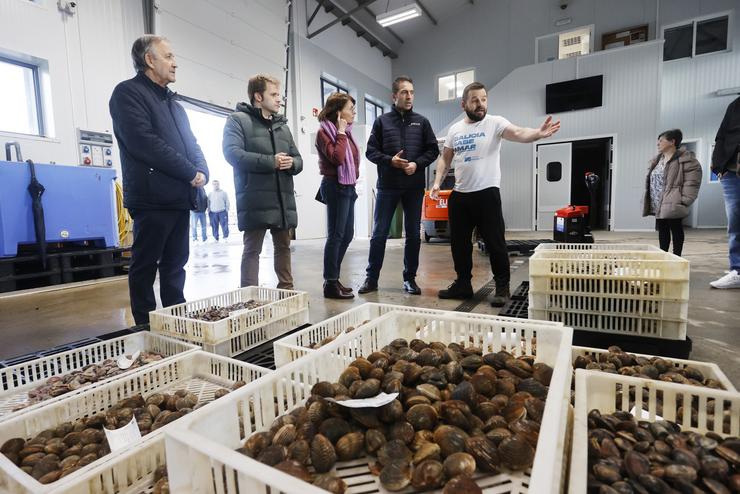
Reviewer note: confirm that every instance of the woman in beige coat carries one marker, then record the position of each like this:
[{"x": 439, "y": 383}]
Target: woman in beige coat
[{"x": 671, "y": 185}]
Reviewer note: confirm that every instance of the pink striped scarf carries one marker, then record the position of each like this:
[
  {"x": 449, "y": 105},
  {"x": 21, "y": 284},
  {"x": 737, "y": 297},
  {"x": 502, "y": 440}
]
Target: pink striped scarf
[{"x": 346, "y": 171}]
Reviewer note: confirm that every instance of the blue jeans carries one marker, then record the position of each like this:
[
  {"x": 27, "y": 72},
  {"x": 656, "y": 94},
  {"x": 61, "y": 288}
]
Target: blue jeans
[
  {"x": 385, "y": 206},
  {"x": 220, "y": 218},
  {"x": 340, "y": 222},
  {"x": 195, "y": 217},
  {"x": 731, "y": 188}
]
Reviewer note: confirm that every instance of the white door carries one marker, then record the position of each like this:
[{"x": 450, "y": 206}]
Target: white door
[{"x": 553, "y": 181}]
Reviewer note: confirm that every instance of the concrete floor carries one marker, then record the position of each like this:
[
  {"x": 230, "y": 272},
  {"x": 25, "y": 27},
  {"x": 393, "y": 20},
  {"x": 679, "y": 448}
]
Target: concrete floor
[{"x": 38, "y": 320}]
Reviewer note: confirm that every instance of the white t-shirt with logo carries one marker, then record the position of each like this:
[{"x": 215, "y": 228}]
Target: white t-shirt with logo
[{"x": 477, "y": 147}]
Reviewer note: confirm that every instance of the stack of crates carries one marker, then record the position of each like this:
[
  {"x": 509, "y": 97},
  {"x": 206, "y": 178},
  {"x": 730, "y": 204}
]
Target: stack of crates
[{"x": 634, "y": 290}]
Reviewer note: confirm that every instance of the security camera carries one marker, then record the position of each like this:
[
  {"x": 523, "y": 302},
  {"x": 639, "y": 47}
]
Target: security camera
[
  {"x": 563, "y": 4},
  {"x": 67, "y": 7}
]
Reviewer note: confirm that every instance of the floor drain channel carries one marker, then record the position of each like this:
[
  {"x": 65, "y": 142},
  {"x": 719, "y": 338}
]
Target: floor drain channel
[{"x": 480, "y": 296}]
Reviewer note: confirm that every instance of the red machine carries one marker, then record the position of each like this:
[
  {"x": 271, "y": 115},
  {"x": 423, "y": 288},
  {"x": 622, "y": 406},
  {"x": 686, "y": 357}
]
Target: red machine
[
  {"x": 434, "y": 218},
  {"x": 570, "y": 225}
]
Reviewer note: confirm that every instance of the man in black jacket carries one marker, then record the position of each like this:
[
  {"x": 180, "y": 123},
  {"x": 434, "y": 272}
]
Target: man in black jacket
[
  {"x": 164, "y": 172},
  {"x": 402, "y": 144},
  {"x": 725, "y": 160}
]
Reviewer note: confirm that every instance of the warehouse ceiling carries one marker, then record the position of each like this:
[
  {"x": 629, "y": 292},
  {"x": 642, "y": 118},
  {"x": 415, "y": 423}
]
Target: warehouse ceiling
[{"x": 359, "y": 15}]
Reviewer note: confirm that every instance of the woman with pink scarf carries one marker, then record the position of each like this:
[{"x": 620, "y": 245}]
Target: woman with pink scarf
[{"x": 339, "y": 163}]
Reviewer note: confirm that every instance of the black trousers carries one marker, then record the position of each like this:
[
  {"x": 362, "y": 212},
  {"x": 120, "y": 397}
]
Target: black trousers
[
  {"x": 160, "y": 243},
  {"x": 482, "y": 210},
  {"x": 667, "y": 228}
]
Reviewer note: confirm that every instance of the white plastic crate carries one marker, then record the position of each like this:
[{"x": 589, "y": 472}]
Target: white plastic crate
[
  {"x": 201, "y": 454},
  {"x": 285, "y": 310},
  {"x": 610, "y": 392},
  {"x": 609, "y": 247},
  {"x": 297, "y": 345},
  {"x": 199, "y": 372},
  {"x": 709, "y": 369},
  {"x": 16, "y": 381},
  {"x": 642, "y": 293}
]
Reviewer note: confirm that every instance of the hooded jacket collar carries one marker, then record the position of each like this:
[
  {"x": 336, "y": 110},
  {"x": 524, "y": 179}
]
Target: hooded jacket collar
[{"x": 277, "y": 120}]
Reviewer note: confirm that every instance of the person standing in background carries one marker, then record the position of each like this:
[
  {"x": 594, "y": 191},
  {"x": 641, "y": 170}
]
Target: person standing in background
[
  {"x": 258, "y": 144},
  {"x": 671, "y": 186},
  {"x": 218, "y": 207},
  {"x": 726, "y": 164},
  {"x": 339, "y": 163}
]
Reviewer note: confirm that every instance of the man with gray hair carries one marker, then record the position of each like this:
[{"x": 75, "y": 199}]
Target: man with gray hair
[{"x": 164, "y": 172}]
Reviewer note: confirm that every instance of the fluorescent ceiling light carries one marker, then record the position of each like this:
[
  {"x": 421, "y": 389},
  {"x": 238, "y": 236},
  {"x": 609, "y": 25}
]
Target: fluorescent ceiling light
[{"x": 399, "y": 15}]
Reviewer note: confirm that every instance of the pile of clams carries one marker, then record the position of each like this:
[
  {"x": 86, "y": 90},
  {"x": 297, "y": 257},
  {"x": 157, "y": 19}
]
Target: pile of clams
[
  {"x": 627, "y": 456},
  {"x": 217, "y": 313},
  {"x": 458, "y": 413},
  {"x": 55, "y": 453},
  {"x": 59, "y": 385},
  {"x": 617, "y": 361}
]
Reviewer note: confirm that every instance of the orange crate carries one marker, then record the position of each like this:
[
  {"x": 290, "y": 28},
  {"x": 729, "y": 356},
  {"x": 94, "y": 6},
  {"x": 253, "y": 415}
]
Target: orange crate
[{"x": 436, "y": 209}]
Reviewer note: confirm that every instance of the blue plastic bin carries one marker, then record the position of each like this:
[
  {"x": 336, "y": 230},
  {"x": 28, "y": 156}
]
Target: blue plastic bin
[{"x": 79, "y": 205}]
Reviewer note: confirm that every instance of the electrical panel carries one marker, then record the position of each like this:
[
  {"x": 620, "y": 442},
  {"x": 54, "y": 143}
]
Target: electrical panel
[{"x": 96, "y": 148}]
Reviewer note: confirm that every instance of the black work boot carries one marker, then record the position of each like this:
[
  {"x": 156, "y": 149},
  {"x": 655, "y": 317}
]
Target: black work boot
[
  {"x": 332, "y": 290},
  {"x": 368, "y": 286},
  {"x": 410, "y": 286},
  {"x": 343, "y": 288},
  {"x": 460, "y": 290},
  {"x": 501, "y": 296}
]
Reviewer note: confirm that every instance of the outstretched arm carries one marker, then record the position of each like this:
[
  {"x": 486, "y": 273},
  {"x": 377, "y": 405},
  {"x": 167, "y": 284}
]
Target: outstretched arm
[{"x": 526, "y": 134}]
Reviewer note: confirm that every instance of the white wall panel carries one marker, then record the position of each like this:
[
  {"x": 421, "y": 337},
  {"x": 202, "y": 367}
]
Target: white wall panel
[{"x": 220, "y": 45}]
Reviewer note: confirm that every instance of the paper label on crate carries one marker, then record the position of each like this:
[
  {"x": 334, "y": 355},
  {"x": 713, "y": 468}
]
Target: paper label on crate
[
  {"x": 374, "y": 402},
  {"x": 124, "y": 362},
  {"x": 644, "y": 415},
  {"x": 123, "y": 437}
]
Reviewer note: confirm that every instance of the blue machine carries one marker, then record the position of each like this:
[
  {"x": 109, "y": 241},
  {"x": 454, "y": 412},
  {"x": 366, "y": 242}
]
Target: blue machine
[{"x": 79, "y": 205}]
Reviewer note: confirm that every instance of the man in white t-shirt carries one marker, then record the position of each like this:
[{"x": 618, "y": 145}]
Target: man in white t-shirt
[{"x": 473, "y": 146}]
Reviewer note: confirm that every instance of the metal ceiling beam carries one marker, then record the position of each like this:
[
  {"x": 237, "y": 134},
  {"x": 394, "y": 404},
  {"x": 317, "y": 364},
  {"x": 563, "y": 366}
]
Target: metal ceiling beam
[
  {"x": 310, "y": 19},
  {"x": 340, "y": 18},
  {"x": 426, "y": 12},
  {"x": 362, "y": 21}
]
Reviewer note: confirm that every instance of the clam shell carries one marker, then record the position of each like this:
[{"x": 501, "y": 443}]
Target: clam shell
[
  {"x": 350, "y": 446},
  {"x": 459, "y": 464},
  {"x": 330, "y": 483},
  {"x": 484, "y": 451},
  {"x": 323, "y": 455},
  {"x": 396, "y": 476},
  {"x": 374, "y": 440},
  {"x": 364, "y": 366},
  {"x": 391, "y": 412},
  {"x": 429, "y": 474},
  {"x": 516, "y": 453},
  {"x": 402, "y": 431},
  {"x": 394, "y": 450},
  {"x": 427, "y": 451},
  {"x": 286, "y": 435},
  {"x": 422, "y": 417},
  {"x": 273, "y": 454},
  {"x": 296, "y": 469},
  {"x": 461, "y": 485},
  {"x": 324, "y": 389},
  {"x": 300, "y": 451},
  {"x": 333, "y": 428},
  {"x": 450, "y": 439}
]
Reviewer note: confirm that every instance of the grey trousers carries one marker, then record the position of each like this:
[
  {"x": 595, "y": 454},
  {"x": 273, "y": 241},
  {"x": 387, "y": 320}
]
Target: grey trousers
[{"x": 251, "y": 257}]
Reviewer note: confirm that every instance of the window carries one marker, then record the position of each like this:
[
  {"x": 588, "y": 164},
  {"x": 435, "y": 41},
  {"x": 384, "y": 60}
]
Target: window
[
  {"x": 328, "y": 87},
  {"x": 574, "y": 43},
  {"x": 20, "y": 98},
  {"x": 451, "y": 86},
  {"x": 372, "y": 111},
  {"x": 696, "y": 37}
]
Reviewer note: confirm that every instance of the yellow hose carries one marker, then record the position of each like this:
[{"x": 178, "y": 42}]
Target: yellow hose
[{"x": 124, "y": 219}]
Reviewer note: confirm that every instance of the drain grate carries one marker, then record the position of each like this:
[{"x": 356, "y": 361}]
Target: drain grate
[
  {"x": 480, "y": 296},
  {"x": 515, "y": 308}
]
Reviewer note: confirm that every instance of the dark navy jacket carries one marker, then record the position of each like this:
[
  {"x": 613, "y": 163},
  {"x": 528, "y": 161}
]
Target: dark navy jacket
[
  {"x": 159, "y": 153},
  {"x": 394, "y": 131}
]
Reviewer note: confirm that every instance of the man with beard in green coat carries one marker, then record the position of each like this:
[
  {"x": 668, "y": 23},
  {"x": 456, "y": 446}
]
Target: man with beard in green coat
[{"x": 258, "y": 144}]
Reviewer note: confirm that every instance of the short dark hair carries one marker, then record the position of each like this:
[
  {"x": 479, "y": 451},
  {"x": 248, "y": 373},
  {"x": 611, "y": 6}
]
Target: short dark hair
[
  {"x": 398, "y": 80},
  {"x": 334, "y": 104},
  {"x": 141, "y": 47},
  {"x": 473, "y": 86},
  {"x": 674, "y": 135},
  {"x": 258, "y": 84}
]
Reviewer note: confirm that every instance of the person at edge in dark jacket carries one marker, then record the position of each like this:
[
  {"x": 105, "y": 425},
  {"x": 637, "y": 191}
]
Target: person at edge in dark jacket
[
  {"x": 402, "y": 144},
  {"x": 164, "y": 172},
  {"x": 258, "y": 144},
  {"x": 726, "y": 165},
  {"x": 339, "y": 164}
]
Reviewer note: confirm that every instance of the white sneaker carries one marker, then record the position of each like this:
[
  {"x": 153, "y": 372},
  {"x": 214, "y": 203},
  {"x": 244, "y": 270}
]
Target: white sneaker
[{"x": 730, "y": 280}]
